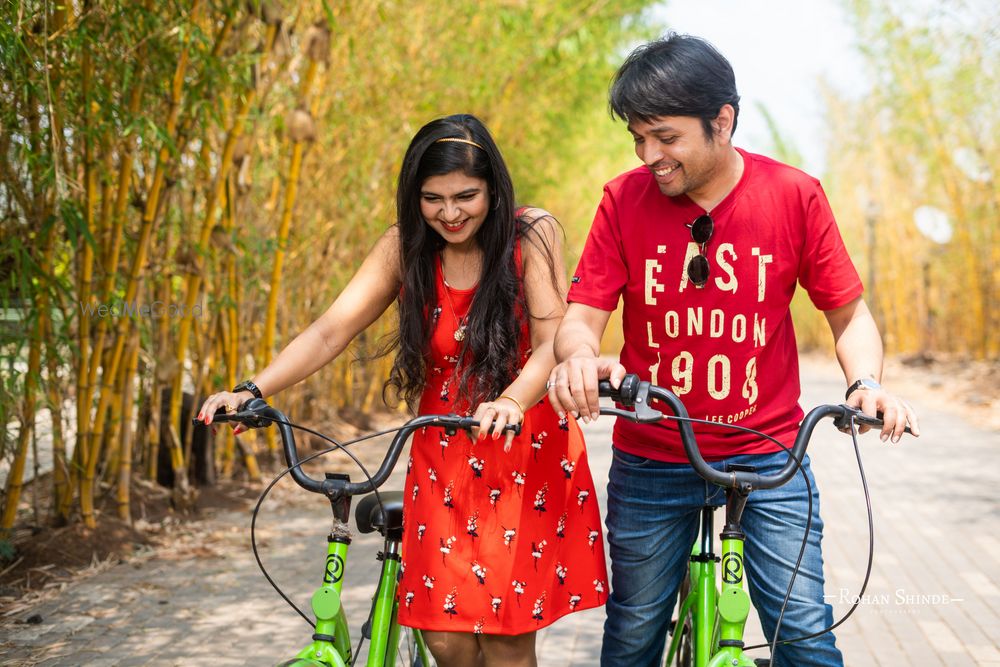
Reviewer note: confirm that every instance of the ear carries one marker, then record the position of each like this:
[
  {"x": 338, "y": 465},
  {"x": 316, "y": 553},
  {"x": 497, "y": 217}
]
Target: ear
[{"x": 723, "y": 123}]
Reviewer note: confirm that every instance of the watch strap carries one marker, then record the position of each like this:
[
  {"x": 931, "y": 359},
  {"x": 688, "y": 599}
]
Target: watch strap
[
  {"x": 248, "y": 385},
  {"x": 862, "y": 383}
]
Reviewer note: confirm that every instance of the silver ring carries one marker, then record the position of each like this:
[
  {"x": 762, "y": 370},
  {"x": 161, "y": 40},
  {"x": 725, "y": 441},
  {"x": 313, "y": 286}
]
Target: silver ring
[{"x": 549, "y": 384}]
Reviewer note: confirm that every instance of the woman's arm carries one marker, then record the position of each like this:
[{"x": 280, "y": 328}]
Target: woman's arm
[
  {"x": 369, "y": 293},
  {"x": 545, "y": 293}
]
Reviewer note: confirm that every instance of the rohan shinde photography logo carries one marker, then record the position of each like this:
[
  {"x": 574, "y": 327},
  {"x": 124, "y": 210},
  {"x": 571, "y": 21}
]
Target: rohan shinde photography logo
[
  {"x": 899, "y": 600},
  {"x": 155, "y": 310}
]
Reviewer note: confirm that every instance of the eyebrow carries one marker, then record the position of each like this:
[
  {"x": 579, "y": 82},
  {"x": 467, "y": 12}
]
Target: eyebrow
[
  {"x": 469, "y": 191},
  {"x": 659, "y": 129}
]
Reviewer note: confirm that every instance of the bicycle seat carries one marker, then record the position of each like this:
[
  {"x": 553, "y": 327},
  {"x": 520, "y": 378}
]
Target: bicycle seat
[{"x": 370, "y": 516}]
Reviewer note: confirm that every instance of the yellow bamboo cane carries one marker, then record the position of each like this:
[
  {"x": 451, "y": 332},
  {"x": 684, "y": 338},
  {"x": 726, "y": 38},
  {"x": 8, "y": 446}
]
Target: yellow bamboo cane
[
  {"x": 125, "y": 452},
  {"x": 193, "y": 282},
  {"x": 92, "y": 445},
  {"x": 302, "y": 132},
  {"x": 15, "y": 477}
]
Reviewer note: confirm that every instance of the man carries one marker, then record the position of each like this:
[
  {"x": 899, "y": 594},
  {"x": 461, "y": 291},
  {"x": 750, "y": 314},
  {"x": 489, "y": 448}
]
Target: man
[{"x": 705, "y": 243}]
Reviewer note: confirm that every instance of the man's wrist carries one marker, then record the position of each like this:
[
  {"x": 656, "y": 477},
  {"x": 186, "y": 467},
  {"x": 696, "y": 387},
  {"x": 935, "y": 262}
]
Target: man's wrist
[{"x": 865, "y": 383}]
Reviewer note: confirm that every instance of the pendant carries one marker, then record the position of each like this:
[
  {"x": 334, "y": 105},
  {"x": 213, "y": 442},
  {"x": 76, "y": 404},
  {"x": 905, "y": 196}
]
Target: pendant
[{"x": 460, "y": 333}]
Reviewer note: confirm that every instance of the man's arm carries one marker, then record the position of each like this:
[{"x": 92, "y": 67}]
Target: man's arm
[
  {"x": 859, "y": 351},
  {"x": 573, "y": 382}
]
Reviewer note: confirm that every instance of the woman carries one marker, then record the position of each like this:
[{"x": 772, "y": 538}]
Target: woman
[{"x": 499, "y": 540}]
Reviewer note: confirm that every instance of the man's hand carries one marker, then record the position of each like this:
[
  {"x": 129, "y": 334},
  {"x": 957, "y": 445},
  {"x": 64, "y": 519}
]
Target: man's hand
[
  {"x": 573, "y": 385},
  {"x": 896, "y": 413}
]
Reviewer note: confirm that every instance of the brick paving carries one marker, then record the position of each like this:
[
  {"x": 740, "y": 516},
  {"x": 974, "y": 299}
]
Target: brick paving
[{"x": 933, "y": 598}]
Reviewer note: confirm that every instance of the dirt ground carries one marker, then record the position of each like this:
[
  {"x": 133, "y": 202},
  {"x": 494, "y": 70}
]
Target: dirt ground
[{"x": 48, "y": 557}]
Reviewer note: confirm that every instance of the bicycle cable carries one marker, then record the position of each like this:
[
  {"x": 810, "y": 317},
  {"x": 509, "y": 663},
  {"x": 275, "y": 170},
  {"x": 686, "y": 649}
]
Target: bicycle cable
[
  {"x": 871, "y": 555},
  {"x": 337, "y": 446},
  {"x": 805, "y": 537}
]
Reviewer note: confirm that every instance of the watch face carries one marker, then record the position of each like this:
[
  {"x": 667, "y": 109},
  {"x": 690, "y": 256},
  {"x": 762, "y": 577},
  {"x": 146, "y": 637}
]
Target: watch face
[{"x": 869, "y": 384}]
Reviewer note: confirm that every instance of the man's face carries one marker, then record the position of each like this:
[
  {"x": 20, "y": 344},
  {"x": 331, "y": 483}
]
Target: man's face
[{"x": 677, "y": 152}]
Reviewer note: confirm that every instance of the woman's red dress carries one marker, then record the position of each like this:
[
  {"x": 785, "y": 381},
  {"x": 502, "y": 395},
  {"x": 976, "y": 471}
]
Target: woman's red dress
[{"x": 495, "y": 542}]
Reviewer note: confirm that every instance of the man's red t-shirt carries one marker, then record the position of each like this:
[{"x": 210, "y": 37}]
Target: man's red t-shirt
[{"x": 727, "y": 349}]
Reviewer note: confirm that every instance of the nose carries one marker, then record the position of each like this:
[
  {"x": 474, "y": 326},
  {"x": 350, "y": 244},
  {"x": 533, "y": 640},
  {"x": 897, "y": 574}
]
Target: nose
[
  {"x": 650, "y": 152},
  {"x": 450, "y": 212}
]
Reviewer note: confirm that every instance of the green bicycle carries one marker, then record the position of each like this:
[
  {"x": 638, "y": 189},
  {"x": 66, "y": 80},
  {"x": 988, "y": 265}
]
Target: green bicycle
[
  {"x": 708, "y": 631},
  {"x": 379, "y": 511}
]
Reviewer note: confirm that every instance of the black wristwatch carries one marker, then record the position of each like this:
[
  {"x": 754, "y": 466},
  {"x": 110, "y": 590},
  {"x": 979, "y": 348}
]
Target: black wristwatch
[
  {"x": 863, "y": 383},
  {"x": 247, "y": 385}
]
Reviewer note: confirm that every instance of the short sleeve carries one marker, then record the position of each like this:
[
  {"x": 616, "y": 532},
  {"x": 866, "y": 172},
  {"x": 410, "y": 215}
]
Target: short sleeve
[
  {"x": 826, "y": 271},
  {"x": 601, "y": 274}
]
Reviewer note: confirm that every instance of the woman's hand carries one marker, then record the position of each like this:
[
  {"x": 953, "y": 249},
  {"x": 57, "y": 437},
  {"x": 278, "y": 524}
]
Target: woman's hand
[
  {"x": 226, "y": 400},
  {"x": 493, "y": 416}
]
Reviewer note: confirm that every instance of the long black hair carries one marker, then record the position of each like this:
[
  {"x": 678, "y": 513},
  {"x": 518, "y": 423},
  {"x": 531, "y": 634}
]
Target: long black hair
[
  {"x": 676, "y": 75},
  {"x": 490, "y": 353}
]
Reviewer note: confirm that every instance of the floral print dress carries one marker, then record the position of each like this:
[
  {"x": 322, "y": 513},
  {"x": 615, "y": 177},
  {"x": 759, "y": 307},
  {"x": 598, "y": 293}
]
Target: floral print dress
[{"x": 495, "y": 542}]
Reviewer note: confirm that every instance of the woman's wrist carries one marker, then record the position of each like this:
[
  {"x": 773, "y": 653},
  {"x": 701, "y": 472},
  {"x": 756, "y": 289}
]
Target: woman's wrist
[{"x": 520, "y": 406}]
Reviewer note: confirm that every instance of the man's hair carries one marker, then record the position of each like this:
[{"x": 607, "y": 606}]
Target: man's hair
[{"x": 676, "y": 75}]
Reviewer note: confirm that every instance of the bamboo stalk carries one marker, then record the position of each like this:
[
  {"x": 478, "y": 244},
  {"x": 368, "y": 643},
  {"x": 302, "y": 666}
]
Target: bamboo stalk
[
  {"x": 126, "y": 440},
  {"x": 193, "y": 282},
  {"x": 135, "y": 277},
  {"x": 85, "y": 388},
  {"x": 15, "y": 477}
]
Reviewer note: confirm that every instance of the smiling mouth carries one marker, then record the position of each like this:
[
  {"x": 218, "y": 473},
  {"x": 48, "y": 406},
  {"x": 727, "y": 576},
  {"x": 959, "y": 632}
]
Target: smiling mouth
[
  {"x": 454, "y": 226},
  {"x": 667, "y": 171}
]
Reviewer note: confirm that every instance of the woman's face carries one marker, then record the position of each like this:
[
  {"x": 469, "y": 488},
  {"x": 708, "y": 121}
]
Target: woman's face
[{"x": 455, "y": 205}]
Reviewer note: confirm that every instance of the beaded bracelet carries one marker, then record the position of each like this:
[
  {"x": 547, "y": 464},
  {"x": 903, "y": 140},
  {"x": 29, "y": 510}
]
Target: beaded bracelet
[{"x": 512, "y": 400}]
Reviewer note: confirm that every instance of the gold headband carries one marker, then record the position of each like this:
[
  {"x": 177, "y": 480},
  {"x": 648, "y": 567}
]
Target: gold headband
[{"x": 461, "y": 141}]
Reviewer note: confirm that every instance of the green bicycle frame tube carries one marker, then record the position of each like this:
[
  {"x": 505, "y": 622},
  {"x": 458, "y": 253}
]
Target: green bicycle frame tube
[
  {"x": 330, "y": 617},
  {"x": 703, "y": 582},
  {"x": 733, "y": 605},
  {"x": 385, "y": 631}
]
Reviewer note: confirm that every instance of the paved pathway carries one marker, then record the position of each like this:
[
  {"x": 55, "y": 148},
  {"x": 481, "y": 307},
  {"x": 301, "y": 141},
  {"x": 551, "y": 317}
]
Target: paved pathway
[{"x": 933, "y": 598}]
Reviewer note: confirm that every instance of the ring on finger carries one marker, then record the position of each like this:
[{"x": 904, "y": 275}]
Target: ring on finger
[{"x": 230, "y": 409}]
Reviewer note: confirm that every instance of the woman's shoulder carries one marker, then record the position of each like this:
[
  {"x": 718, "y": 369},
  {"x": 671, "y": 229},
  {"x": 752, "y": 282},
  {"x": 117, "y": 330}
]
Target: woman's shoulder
[{"x": 532, "y": 214}]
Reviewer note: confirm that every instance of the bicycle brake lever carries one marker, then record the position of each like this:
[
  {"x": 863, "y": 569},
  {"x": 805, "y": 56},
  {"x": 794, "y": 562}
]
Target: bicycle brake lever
[
  {"x": 247, "y": 414},
  {"x": 843, "y": 422},
  {"x": 634, "y": 394}
]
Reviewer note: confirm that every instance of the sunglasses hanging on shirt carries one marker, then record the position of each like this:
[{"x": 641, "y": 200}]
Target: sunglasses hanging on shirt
[{"x": 701, "y": 233}]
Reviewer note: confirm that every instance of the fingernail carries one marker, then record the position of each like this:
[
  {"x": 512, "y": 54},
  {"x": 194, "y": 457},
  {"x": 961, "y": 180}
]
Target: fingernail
[
  {"x": 595, "y": 415},
  {"x": 885, "y": 437},
  {"x": 576, "y": 415},
  {"x": 562, "y": 415}
]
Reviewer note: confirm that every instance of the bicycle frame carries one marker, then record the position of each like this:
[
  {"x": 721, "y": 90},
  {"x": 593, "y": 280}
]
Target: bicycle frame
[
  {"x": 718, "y": 618},
  {"x": 331, "y": 643},
  {"x": 331, "y": 640}
]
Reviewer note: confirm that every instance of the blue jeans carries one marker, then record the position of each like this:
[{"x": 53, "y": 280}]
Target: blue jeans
[{"x": 653, "y": 520}]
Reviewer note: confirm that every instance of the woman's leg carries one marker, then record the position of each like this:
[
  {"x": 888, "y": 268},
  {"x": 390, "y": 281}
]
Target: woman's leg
[
  {"x": 454, "y": 649},
  {"x": 508, "y": 650}
]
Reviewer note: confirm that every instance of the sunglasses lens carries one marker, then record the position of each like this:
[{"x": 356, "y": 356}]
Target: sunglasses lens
[
  {"x": 698, "y": 270},
  {"x": 702, "y": 228}
]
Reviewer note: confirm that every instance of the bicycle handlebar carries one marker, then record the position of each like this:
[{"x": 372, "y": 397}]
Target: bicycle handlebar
[
  {"x": 636, "y": 394},
  {"x": 256, "y": 413}
]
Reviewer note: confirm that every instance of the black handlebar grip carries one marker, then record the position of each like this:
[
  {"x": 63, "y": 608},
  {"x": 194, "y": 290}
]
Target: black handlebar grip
[{"x": 625, "y": 393}]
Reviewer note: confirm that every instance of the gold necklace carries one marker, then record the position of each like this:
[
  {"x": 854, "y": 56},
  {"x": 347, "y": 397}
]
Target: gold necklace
[{"x": 459, "y": 334}]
